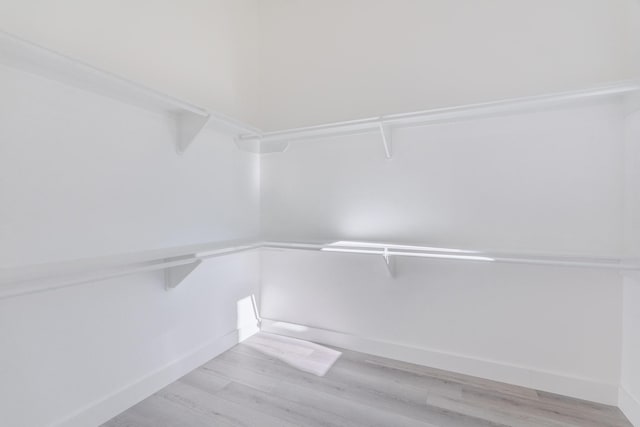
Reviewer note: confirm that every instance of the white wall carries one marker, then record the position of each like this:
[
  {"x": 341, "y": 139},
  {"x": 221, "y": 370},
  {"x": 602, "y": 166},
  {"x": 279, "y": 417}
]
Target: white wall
[
  {"x": 286, "y": 63},
  {"x": 84, "y": 176},
  {"x": 548, "y": 182},
  {"x": 202, "y": 51},
  {"x": 540, "y": 182},
  {"x": 630, "y": 377},
  {"x": 338, "y": 60},
  {"x": 79, "y": 356},
  {"x": 551, "y": 329}
]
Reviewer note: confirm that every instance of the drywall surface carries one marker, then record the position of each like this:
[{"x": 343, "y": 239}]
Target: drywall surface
[
  {"x": 333, "y": 60},
  {"x": 633, "y": 28},
  {"x": 540, "y": 182},
  {"x": 630, "y": 378},
  {"x": 631, "y": 236},
  {"x": 287, "y": 63},
  {"x": 553, "y": 329},
  {"x": 546, "y": 182},
  {"x": 204, "y": 52},
  {"x": 84, "y": 176},
  {"x": 80, "y": 355}
]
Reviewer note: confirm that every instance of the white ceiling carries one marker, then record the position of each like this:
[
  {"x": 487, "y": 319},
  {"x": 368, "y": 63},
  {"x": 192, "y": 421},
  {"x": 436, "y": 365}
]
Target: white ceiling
[{"x": 287, "y": 63}]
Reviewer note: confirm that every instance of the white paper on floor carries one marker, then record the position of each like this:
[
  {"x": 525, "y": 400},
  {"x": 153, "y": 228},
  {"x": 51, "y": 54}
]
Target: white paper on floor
[{"x": 303, "y": 355}]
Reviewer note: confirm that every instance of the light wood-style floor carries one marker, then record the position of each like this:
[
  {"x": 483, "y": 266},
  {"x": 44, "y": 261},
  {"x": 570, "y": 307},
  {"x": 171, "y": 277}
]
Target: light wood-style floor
[{"x": 243, "y": 387}]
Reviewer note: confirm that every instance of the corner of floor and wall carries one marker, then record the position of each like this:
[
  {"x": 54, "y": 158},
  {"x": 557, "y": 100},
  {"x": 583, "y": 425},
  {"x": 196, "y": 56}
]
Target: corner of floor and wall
[
  {"x": 84, "y": 175},
  {"x": 113, "y": 184},
  {"x": 85, "y": 353},
  {"x": 629, "y": 388},
  {"x": 629, "y": 383}
]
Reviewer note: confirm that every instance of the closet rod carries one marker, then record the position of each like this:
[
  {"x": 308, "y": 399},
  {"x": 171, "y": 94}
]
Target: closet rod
[
  {"x": 391, "y": 250},
  {"x": 30, "y": 58},
  {"x": 447, "y": 114},
  {"x": 38, "y": 278},
  {"x": 182, "y": 260}
]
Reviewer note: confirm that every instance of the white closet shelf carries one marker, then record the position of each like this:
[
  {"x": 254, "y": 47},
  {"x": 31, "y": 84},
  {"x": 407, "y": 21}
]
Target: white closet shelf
[
  {"x": 278, "y": 141},
  {"x": 179, "y": 262},
  {"x": 190, "y": 119},
  {"x": 388, "y": 252}
]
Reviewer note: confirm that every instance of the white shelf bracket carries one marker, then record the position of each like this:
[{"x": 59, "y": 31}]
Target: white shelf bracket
[
  {"x": 390, "y": 263},
  {"x": 385, "y": 133},
  {"x": 173, "y": 276},
  {"x": 188, "y": 126}
]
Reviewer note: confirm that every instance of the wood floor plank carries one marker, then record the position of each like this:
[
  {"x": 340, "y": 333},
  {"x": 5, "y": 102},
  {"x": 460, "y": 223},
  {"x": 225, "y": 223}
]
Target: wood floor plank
[
  {"x": 161, "y": 412},
  {"x": 449, "y": 376},
  {"x": 577, "y": 415},
  {"x": 325, "y": 396},
  {"x": 282, "y": 408},
  {"x": 570, "y": 403},
  {"x": 490, "y": 413},
  {"x": 350, "y": 409},
  {"x": 378, "y": 375},
  {"x": 206, "y": 380},
  {"x": 130, "y": 419},
  {"x": 405, "y": 401},
  {"x": 244, "y": 387},
  {"x": 240, "y": 374},
  {"x": 215, "y": 408}
]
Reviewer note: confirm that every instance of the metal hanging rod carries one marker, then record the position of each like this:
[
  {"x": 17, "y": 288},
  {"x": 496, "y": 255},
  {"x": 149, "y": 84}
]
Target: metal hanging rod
[
  {"x": 190, "y": 119},
  {"x": 179, "y": 262},
  {"x": 388, "y": 252},
  {"x": 386, "y": 123}
]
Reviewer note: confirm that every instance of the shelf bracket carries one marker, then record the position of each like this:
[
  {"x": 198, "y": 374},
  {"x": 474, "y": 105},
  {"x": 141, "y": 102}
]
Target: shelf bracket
[
  {"x": 188, "y": 126},
  {"x": 390, "y": 263},
  {"x": 173, "y": 276},
  {"x": 385, "y": 133}
]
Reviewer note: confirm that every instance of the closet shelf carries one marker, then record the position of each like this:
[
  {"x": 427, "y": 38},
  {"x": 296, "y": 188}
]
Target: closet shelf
[
  {"x": 190, "y": 119},
  {"x": 278, "y": 141},
  {"x": 177, "y": 262},
  {"x": 388, "y": 252}
]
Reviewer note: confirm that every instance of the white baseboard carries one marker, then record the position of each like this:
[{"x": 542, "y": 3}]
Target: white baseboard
[
  {"x": 630, "y": 406},
  {"x": 553, "y": 382},
  {"x": 118, "y": 401}
]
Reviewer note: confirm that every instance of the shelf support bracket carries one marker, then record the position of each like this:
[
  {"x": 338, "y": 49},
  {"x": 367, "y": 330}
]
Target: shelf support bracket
[
  {"x": 173, "y": 276},
  {"x": 390, "y": 263},
  {"x": 189, "y": 126},
  {"x": 385, "y": 133}
]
